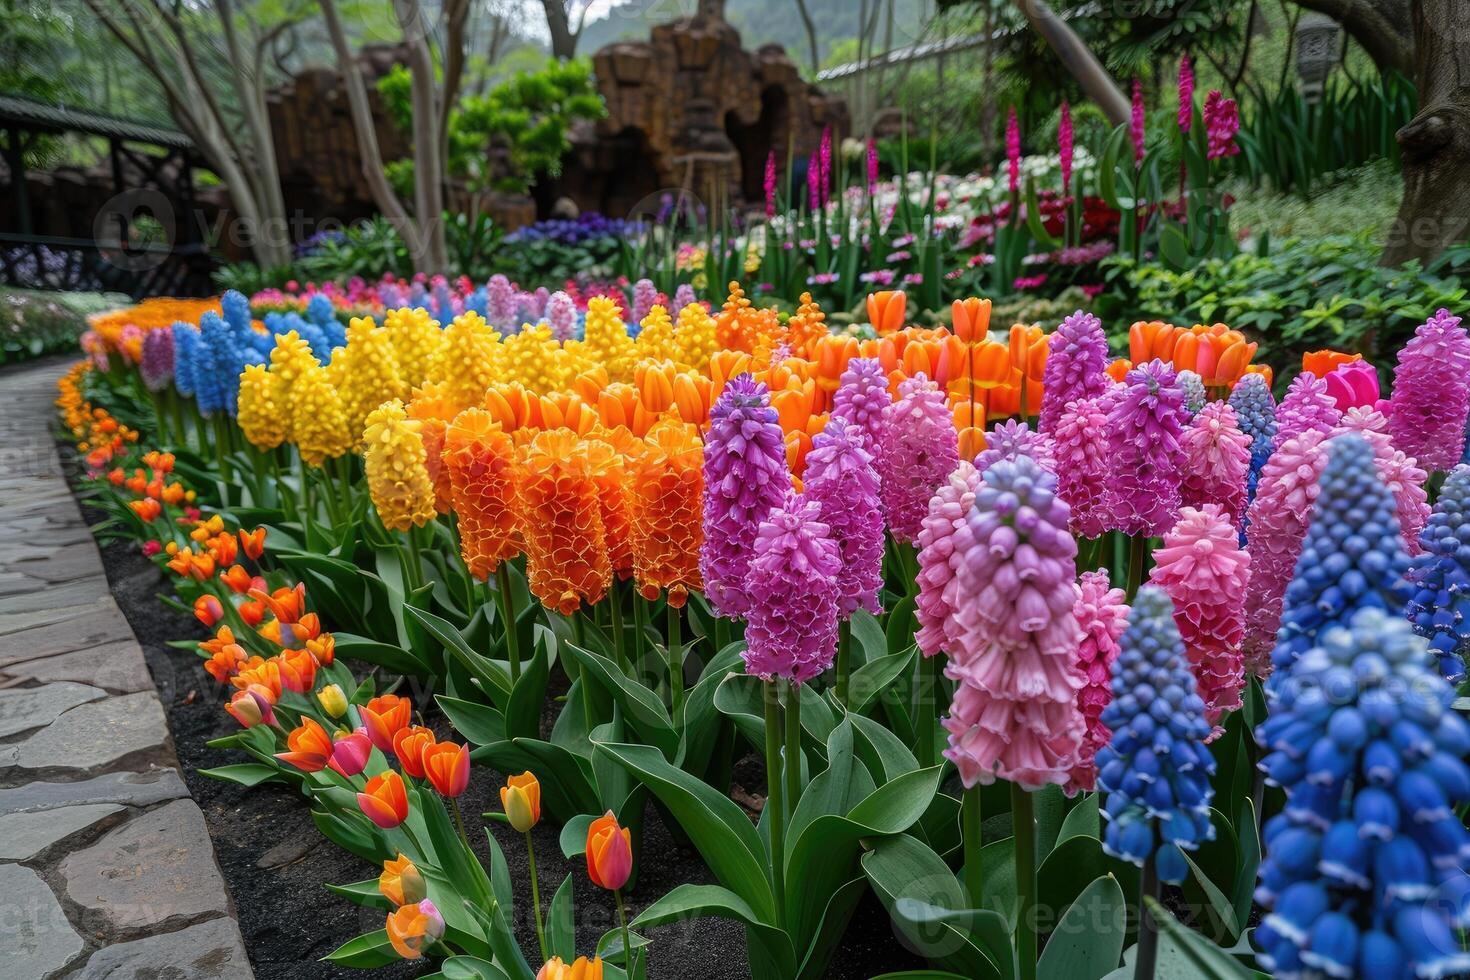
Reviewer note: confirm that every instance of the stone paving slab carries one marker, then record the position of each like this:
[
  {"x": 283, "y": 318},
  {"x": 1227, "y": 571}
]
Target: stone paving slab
[{"x": 106, "y": 866}]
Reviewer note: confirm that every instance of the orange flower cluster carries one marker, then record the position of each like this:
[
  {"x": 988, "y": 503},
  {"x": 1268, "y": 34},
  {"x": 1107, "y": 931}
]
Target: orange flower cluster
[
  {"x": 480, "y": 461},
  {"x": 567, "y": 560},
  {"x": 99, "y": 437},
  {"x": 1219, "y": 355},
  {"x": 665, "y": 500},
  {"x": 151, "y": 314}
]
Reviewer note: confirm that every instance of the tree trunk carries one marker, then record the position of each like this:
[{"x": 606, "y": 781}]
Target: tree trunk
[
  {"x": 428, "y": 163},
  {"x": 1384, "y": 28},
  {"x": 1435, "y": 211},
  {"x": 1078, "y": 60},
  {"x": 811, "y": 34},
  {"x": 563, "y": 41}
]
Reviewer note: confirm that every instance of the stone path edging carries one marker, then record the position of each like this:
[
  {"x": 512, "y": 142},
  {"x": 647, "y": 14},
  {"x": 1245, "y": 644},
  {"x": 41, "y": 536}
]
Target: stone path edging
[{"x": 106, "y": 867}]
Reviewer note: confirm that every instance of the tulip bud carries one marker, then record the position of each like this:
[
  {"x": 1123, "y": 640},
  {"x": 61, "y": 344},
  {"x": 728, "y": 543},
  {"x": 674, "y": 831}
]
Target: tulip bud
[
  {"x": 250, "y": 708},
  {"x": 332, "y": 700},
  {"x": 521, "y": 798},
  {"x": 401, "y": 882}
]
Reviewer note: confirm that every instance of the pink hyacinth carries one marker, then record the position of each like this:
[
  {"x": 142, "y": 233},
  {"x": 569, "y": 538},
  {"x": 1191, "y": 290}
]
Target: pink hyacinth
[
  {"x": 841, "y": 478},
  {"x": 1135, "y": 121},
  {"x": 1205, "y": 573},
  {"x": 1222, "y": 122},
  {"x": 937, "y": 599},
  {"x": 792, "y": 594},
  {"x": 500, "y": 302},
  {"x": 1013, "y": 149},
  {"x": 1217, "y": 461},
  {"x": 770, "y": 184},
  {"x": 1080, "y": 446},
  {"x": 1306, "y": 407},
  {"x": 1146, "y": 461},
  {"x": 1076, "y": 366},
  {"x": 1399, "y": 472},
  {"x": 561, "y": 314},
  {"x": 1431, "y": 393},
  {"x": 1186, "y": 94},
  {"x": 1102, "y": 614},
  {"x": 1015, "y": 713},
  {"x": 919, "y": 450},
  {"x": 813, "y": 182},
  {"x": 1064, "y": 146},
  {"x": 1353, "y": 385},
  {"x": 872, "y": 167},
  {"x": 645, "y": 297},
  {"x": 862, "y": 399},
  {"x": 1010, "y": 439},
  {"x": 1278, "y": 520},
  {"x": 824, "y": 158}
]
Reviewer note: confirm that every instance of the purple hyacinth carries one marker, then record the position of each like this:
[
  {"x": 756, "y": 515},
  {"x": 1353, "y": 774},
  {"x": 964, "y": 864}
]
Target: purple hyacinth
[
  {"x": 919, "y": 450},
  {"x": 745, "y": 477},
  {"x": 501, "y": 297},
  {"x": 1145, "y": 425},
  {"x": 1011, "y": 439},
  {"x": 862, "y": 398},
  {"x": 683, "y": 296},
  {"x": 1431, "y": 393},
  {"x": 841, "y": 477},
  {"x": 645, "y": 295},
  {"x": 1307, "y": 406},
  {"x": 1076, "y": 367},
  {"x": 791, "y": 599},
  {"x": 157, "y": 363},
  {"x": 1080, "y": 446},
  {"x": 561, "y": 314}
]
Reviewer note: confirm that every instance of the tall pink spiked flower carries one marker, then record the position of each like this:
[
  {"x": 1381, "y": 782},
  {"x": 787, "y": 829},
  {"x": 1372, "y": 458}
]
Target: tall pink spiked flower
[
  {"x": 872, "y": 167},
  {"x": 769, "y": 184},
  {"x": 824, "y": 157},
  {"x": 1147, "y": 458},
  {"x": 1431, "y": 393},
  {"x": 1080, "y": 447},
  {"x": 862, "y": 398},
  {"x": 1186, "y": 94},
  {"x": 1102, "y": 614},
  {"x": 841, "y": 478},
  {"x": 792, "y": 594},
  {"x": 1222, "y": 122},
  {"x": 1076, "y": 366},
  {"x": 1307, "y": 406},
  {"x": 1015, "y": 713},
  {"x": 1013, "y": 149},
  {"x": 1135, "y": 121},
  {"x": 1217, "y": 461},
  {"x": 1205, "y": 573},
  {"x": 814, "y": 182},
  {"x": 938, "y": 596},
  {"x": 1064, "y": 146},
  {"x": 919, "y": 450}
]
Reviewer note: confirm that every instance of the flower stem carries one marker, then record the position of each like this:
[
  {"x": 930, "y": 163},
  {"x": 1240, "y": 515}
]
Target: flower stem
[
  {"x": 792, "y": 761},
  {"x": 1148, "y": 929},
  {"x": 536, "y": 898},
  {"x": 974, "y": 875},
  {"x": 508, "y": 621},
  {"x": 414, "y": 570},
  {"x": 1137, "y": 554},
  {"x": 675, "y": 640},
  {"x": 615, "y": 607},
  {"x": 775, "y": 803},
  {"x": 844, "y": 654},
  {"x": 926, "y": 705},
  {"x": 1023, "y": 819},
  {"x": 628, "y": 963}
]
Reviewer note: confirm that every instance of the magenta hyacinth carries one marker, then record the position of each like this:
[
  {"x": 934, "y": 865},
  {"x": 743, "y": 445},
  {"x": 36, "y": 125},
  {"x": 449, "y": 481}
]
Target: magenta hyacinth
[
  {"x": 1399, "y": 472},
  {"x": 1013, "y": 149},
  {"x": 1205, "y": 571},
  {"x": 792, "y": 586},
  {"x": 1102, "y": 614},
  {"x": 824, "y": 158},
  {"x": 1222, "y": 122},
  {"x": 1431, "y": 393},
  {"x": 745, "y": 477},
  {"x": 1064, "y": 146},
  {"x": 769, "y": 184},
  {"x": 1307, "y": 406},
  {"x": 1145, "y": 426},
  {"x": 862, "y": 399},
  {"x": 1080, "y": 447},
  {"x": 872, "y": 167},
  {"x": 1010, "y": 439},
  {"x": 1278, "y": 519},
  {"x": 645, "y": 297},
  {"x": 561, "y": 314},
  {"x": 156, "y": 364},
  {"x": 938, "y": 599},
  {"x": 1076, "y": 366},
  {"x": 919, "y": 450},
  {"x": 814, "y": 182},
  {"x": 840, "y": 477},
  {"x": 1135, "y": 121},
  {"x": 1186, "y": 94},
  {"x": 1217, "y": 462},
  {"x": 1015, "y": 714}
]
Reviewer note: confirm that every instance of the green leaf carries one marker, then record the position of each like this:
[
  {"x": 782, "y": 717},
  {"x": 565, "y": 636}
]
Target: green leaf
[
  {"x": 561, "y": 923},
  {"x": 573, "y": 837},
  {"x": 387, "y": 655},
  {"x": 1088, "y": 941},
  {"x": 471, "y": 968},
  {"x": 365, "y": 952},
  {"x": 364, "y": 893},
  {"x": 1204, "y": 959},
  {"x": 698, "y": 901},
  {"x": 528, "y": 696},
  {"x": 642, "y": 709},
  {"x": 244, "y": 773},
  {"x": 1082, "y": 820},
  {"x": 478, "y": 723},
  {"x": 870, "y": 680},
  {"x": 493, "y": 677},
  {"x": 1221, "y": 906}
]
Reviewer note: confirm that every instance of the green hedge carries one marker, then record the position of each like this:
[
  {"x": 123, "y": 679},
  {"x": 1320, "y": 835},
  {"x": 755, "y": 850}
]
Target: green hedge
[{"x": 33, "y": 323}]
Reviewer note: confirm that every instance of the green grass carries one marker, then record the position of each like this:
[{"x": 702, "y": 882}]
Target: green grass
[{"x": 1363, "y": 199}]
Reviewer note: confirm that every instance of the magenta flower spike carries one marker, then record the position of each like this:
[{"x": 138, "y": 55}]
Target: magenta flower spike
[
  {"x": 1217, "y": 462},
  {"x": 841, "y": 478},
  {"x": 1146, "y": 462},
  {"x": 1353, "y": 385},
  {"x": 872, "y": 167},
  {"x": 792, "y": 594},
  {"x": 1010, "y": 439},
  {"x": 1205, "y": 571},
  {"x": 745, "y": 477},
  {"x": 1013, "y": 149},
  {"x": 1306, "y": 407},
  {"x": 1186, "y": 94},
  {"x": 1064, "y": 146},
  {"x": 1135, "y": 121},
  {"x": 1102, "y": 614},
  {"x": 824, "y": 152},
  {"x": 1076, "y": 366},
  {"x": 1080, "y": 446},
  {"x": 1431, "y": 393},
  {"x": 862, "y": 399},
  {"x": 938, "y": 597},
  {"x": 1222, "y": 122},
  {"x": 770, "y": 184},
  {"x": 814, "y": 182},
  {"x": 920, "y": 448},
  {"x": 1015, "y": 714}
]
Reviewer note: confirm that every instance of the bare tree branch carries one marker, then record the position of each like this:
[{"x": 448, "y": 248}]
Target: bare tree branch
[{"x": 1385, "y": 28}]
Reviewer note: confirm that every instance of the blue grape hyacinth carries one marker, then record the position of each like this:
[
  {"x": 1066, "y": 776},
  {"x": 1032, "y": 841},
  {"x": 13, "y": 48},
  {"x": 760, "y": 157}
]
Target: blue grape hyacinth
[
  {"x": 1255, "y": 411},
  {"x": 186, "y": 356},
  {"x": 1156, "y": 770},
  {"x": 1439, "y": 607},
  {"x": 1364, "y": 868},
  {"x": 1353, "y": 556}
]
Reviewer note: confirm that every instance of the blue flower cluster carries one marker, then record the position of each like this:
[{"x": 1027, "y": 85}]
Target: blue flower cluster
[
  {"x": 586, "y": 226},
  {"x": 1364, "y": 869},
  {"x": 437, "y": 298},
  {"x": 1156, "y": 770},
  {"x": 1440, "y": 578},
  {"x": 209, "y": 359},
  {"x": 1353, "y": 557},
  {"x": 1194, "y": 392},
  {"x": 1255, "y": 411}
]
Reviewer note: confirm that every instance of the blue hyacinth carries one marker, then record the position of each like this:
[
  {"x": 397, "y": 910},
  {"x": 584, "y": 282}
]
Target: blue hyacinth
[
  {"x": 1439, "y": 606},
  {"x": 1353, "y": 557},
  {"x": 1255, "y": 411},
  {"x": 1156, "y": 770},
  {"x": 186, "y": 354},
  {"x": 1363, "y": 873},
  {"x": 1194, "y": 392}
]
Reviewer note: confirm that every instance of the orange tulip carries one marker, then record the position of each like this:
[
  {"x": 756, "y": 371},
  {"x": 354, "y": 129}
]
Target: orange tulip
[
  {"x": 521, "y": 799},
  {"x": 830, "y": 355},
  {"x": 655, "y": 384},
  {"x": 617, "y": 405},
  {"x": 148, "y": 510},
  {"x": 447, "y": 767},
  {"x": 589, "y": 384},
  {"x": 509, "y": 404},
  {"x": 886, "y": 310},
  {"x": 1324, "y": 362},
  {"x": 401, "y": 883},
  {"x": 1119, "y": 368},
  {"x": 385, "y": 716},
  {"x": 409, "y": 745},
  {"x": 414, "y": 928},
  {"x": 310, "y": 746},
  {"x": 350, "y": 753},
  {"x": 251, "y": 707},
  {"x": 581, "y": 969},
  {"x": 1264, "y": 370},
  {"x": 970, "y": 319},
  {"x": 384, "y": 800},
  {"x": 990, "y": 365},
  {"x": 253, "y": 542},
  {"x": 692, "y": 397},
  {"x": 1147, "y": 341},
  {"x": 609, "y": 853},
  {"x": 207, "y": 609},
  {"x": 298, "y": 670},
  {"x": 237, "y": 579},
  {"x": 724, "y": 365}
]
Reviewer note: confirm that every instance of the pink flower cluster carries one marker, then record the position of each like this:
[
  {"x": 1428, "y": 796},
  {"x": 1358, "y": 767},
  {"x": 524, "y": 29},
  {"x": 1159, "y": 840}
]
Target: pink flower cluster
[
  {"x": 1080, "y": 446},
  {"x": 1146, "y": 460},
  {"x": 921, "y": 449},
  {"x": 1431, "y": 393},
  {"x": 792, "y": 628},
  {"x": 1306, "y": 407},
  {"x": 1102, "y": 615},
  {"x": 1217, "y": 460},
  {"x": 938, "y": 596}
]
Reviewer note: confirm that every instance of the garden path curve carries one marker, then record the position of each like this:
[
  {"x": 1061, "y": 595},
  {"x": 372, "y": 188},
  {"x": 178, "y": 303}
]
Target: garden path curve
[{"x": 106, "y": 866}]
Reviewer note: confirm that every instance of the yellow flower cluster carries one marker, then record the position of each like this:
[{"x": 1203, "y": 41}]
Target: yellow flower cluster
[
  {"x": 395, "y": 462},
  {"x": 365, "y": 372},
  {"x": 262, "y": 413}
]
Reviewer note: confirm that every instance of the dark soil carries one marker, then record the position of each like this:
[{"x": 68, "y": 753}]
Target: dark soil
[{"x": 276, "y": 864}]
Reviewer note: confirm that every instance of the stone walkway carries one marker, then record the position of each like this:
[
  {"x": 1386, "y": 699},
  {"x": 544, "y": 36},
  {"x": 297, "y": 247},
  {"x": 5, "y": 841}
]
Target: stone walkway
[{"x": 106, "y": 867}]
